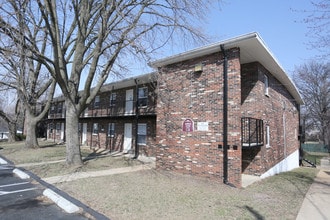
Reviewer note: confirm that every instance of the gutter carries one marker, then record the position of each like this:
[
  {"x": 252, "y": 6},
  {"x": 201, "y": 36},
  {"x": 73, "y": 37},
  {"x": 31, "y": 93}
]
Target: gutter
[{"x": 225, "y": 115}]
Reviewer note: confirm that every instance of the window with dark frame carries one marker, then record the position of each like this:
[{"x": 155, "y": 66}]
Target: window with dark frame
[
  {"x": 51, "y": 128},
  {"x": 97, "y": 102},
  {"x": 95, "y": 128},
  {"x": 59, "y": 107},
  {"x": 52, "y": 109},
  {"x": 58, "y": 128},
  {"x": 143, "y": 97},
  {"x": 113, "y": 98},
  {"x": 111, "y": 129},
  {"x": 142, "y": 134}
]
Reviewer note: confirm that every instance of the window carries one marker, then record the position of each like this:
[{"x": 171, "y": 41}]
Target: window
[
  {"x": 58, "y": 128},
  {"x": 142, "y": 134},
  {"x": 59, "y": 108},
  {"x": 97, "y": 102},
  {"x": 113, "y": 97},
  {"x": 267, "y": 136},
  {"x": 95, "y": 128},
  {"x": 51, "y": 127},
  {"x": 266, "y": 85},
  {"x": 143, "y": 97},
  {"x": 52, "y": 109},
  {"x": 111, "y": 130}
]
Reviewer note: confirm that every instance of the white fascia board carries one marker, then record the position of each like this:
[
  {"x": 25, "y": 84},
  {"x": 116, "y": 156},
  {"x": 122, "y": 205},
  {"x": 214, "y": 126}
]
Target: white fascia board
[{"x": 198, "y": 52}]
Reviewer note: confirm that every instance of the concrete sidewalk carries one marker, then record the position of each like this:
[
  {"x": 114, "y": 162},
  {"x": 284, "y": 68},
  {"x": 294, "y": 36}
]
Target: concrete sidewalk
[
  {"x": 317, "y": 200},
  {"x": 82, "y": 175}
]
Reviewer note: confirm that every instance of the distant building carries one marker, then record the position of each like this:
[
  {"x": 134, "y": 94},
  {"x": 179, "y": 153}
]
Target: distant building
[{"x": 177, "y": 114}]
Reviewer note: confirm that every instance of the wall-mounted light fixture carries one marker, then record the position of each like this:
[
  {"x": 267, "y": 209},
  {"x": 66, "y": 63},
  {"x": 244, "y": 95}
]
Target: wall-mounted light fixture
[{"x": 198, "y": 67}]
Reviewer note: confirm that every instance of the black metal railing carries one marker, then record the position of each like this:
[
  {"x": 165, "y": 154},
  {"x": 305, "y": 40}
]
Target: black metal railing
[{"x": 252, "y": 132}]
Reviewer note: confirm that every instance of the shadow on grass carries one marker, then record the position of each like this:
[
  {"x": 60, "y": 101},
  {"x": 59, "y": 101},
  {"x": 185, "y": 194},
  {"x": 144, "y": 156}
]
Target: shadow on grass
[
  {"x": 299, "y": 179},
  {"x": 255, "y": 213},
  {"x": 50, "y": 145},
  {"x": 94, "y": 155}
]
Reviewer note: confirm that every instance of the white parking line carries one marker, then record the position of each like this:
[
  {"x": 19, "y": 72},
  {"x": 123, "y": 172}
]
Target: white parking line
[
  {"x": 16, "y": 191},
  {"x": 14, "y": 184}
]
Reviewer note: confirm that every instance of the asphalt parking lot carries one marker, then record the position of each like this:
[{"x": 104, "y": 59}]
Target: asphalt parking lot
[{"x": 24, "y": 199}]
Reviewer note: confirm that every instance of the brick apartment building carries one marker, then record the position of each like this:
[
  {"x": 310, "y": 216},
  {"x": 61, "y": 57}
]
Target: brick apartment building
[{"x": 218, "y": 111}]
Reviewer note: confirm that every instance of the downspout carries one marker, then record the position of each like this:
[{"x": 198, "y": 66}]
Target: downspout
[
  {"x": 301, "y": 136},
  {"x": 136, "y": 119},
  {"x": 225, "y": 115}
]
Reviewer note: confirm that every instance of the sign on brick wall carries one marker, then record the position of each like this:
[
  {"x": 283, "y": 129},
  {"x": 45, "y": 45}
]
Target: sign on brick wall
[
  {"x": 188, "y": 125},
  {"x": 202, "y": 126}
]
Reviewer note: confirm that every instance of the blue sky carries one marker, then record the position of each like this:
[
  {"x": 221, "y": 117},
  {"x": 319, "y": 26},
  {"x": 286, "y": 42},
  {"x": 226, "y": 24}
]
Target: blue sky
[{"x": 279, "y": 23}]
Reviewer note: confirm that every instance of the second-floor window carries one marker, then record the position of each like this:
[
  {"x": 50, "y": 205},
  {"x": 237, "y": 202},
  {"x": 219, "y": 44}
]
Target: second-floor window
[
  {"x": 113, "y": 97},
  {"x": 97, "y": 102},
  {"x": 59, "y": 107},
  {"x": 52, "y": 109},
  {"x": 143, "y": 97}
]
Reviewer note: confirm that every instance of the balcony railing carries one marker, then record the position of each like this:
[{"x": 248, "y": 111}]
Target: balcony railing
[
  {"x": 252, "y": 132},
  {"x": 112, "y": 109}
]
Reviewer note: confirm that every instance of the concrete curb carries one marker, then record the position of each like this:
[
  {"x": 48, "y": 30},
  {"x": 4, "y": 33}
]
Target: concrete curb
[
  {"x": 66, "y": 205},
  {"x": 21, "y": 174},
  {"x": 2, "y": 161}
]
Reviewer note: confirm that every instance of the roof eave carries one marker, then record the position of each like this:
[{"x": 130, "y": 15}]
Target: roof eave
[{"x": 266, "y": 58}]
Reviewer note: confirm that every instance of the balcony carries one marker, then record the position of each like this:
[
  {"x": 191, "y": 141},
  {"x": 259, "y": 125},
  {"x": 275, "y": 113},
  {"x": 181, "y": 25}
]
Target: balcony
[
  {"x": 252, "y": 132},
  {"x": 119, "y": 109}
]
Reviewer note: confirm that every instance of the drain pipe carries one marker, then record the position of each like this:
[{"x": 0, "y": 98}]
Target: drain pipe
[
  {"x": 225, "y": 115},
  {"x": 136, "y": 154}
]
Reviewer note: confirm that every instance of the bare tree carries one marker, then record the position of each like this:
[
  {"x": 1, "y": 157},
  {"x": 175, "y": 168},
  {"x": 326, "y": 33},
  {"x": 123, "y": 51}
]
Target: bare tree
[
  {"x": 20, "y": 70},
  {"x": 318, "y": 22},
  {"x": 313, "y": 81},
  {"x": 91, "y": 39}
]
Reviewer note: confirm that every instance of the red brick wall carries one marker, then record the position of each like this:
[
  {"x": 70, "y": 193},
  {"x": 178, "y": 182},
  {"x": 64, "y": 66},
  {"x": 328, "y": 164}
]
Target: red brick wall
[
  {"x": 102, "y": 140},
  {"x": 185, "y": 94},
  {"x": 278, "y": 110}
]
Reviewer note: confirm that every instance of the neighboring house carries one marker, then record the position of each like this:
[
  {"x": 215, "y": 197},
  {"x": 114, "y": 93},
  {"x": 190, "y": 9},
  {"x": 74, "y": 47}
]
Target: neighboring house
[{"x": 185, "y": 116}]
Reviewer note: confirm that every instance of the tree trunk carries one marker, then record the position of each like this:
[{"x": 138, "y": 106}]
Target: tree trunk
[
  {"x": 31, "y": 140},
  {"x": 12, "y": 132},
  {"x": 73, "y": 154}
]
